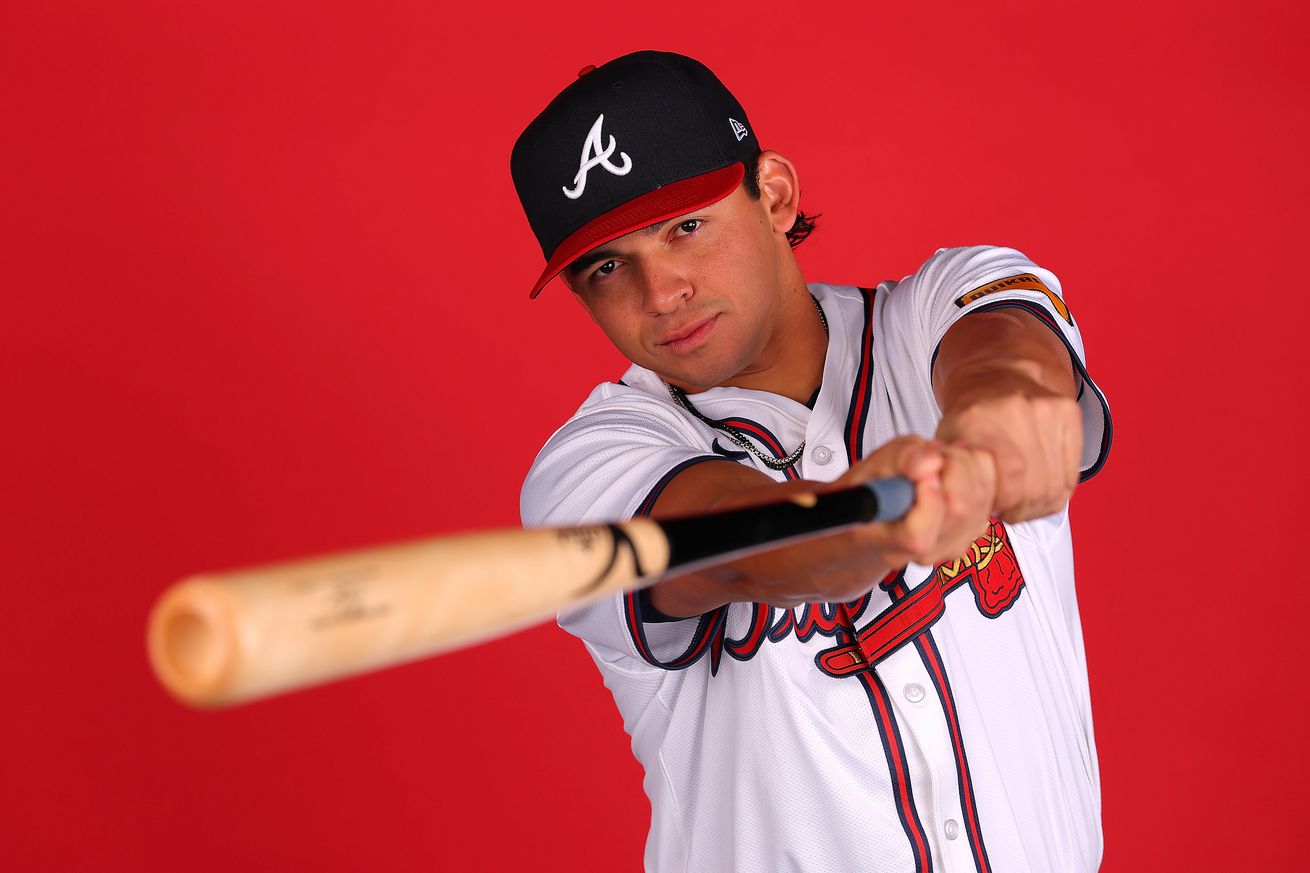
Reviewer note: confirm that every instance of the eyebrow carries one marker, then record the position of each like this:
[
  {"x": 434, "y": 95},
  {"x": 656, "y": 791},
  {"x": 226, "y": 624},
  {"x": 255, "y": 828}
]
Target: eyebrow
[
  {"x": 597, "y": 255},
  {"x": 590, "y": 258}
]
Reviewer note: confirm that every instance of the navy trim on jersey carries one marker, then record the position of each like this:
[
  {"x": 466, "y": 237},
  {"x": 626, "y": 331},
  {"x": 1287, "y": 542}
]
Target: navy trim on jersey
[
  {"x": 932, "y": 660},
  {"x": 651, "y": 614},
  {"x": 817, "y": 619},
  {"x": 898, "y": 768},
  {"x": 862, "y": 389},
  {"x": 636, "y": 604},
  {"x": 745, "y": 648},
  {"x": 1045, "y": 318},
  {"x": 888, "y": 731},
  {"x": 891, "y": 581},
  {"x": 708, "y": 626},
  {"x": 765, "y": 437},
  {"x": 903, "y": 621},
  {"x": 646, "y": 505}
]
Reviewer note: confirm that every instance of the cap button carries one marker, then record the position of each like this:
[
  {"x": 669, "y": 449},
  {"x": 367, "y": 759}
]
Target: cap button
[{"x": 585, "y": 70}]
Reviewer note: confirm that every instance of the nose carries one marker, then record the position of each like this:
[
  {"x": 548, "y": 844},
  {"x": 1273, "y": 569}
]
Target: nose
[{"x": 665, "y": 289}]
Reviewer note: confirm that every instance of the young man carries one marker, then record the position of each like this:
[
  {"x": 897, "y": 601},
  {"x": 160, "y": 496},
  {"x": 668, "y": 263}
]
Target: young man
[{"x": 906, "y": 696}]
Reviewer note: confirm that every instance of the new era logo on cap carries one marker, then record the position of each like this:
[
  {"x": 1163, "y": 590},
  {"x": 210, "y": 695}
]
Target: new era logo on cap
[{"x": 638, "y": 140}]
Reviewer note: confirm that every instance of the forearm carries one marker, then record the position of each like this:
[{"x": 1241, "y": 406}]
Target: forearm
[
  {"x": 785, "y": 576},
  {"x": 827, "y": 562},
  {"x": 1006, "y": 384},
  {"x": 999, "y": 352},
  {"x": 836, "y": 567}
]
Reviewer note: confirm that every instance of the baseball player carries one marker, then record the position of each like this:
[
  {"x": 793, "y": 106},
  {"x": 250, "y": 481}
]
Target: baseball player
[{"x": 906, "y": 696}]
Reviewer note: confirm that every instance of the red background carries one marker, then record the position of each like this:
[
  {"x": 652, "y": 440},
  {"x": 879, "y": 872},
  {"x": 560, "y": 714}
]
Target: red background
[{"x": 265, "y": 279}]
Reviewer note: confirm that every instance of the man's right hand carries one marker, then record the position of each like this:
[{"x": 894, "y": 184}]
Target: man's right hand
[{"x": 954, "y": 487}]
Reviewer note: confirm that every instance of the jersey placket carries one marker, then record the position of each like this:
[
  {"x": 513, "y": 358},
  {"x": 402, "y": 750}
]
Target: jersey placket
[{"x": 919, "y": 713}]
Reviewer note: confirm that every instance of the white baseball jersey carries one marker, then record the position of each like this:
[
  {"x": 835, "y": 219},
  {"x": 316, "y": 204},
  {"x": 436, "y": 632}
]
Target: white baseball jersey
[{"x": 941, "y": 722}]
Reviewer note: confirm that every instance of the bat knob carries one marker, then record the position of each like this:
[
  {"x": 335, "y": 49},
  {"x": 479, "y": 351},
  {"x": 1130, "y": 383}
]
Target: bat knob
[
  {"x": 895, "y": 496},
  {"x": 191, "y": 643}
]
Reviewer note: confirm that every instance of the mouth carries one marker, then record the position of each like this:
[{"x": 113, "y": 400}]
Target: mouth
[{"x": 690, "y": 337}]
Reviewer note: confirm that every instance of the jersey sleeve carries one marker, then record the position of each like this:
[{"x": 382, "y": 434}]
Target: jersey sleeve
[
  {"x": 610, "y": 462},
  {"x": 956, "y": 283}
]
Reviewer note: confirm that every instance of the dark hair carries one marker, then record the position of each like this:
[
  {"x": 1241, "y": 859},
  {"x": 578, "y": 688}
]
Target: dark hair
[{"x": 804, "y": 224}]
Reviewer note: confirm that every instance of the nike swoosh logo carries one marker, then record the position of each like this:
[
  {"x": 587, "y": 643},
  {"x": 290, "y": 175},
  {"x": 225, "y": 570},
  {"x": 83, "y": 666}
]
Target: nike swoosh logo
[{"x": 720, "y": 450}]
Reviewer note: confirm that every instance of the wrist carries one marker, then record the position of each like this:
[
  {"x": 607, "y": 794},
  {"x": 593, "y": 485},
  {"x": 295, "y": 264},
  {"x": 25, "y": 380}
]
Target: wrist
[{"x": 690, "y": 595}]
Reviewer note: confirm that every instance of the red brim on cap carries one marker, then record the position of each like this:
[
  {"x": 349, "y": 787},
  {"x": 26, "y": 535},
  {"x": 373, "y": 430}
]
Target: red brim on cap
[{"x": 650, "y": 208}]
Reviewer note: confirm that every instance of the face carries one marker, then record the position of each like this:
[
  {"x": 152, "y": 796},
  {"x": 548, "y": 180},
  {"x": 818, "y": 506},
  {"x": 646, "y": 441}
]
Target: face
[{"x": 697, "y": 298}]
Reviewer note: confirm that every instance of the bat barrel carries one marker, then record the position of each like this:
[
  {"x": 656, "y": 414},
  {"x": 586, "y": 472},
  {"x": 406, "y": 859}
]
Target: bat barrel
[{"x": 226, "y": 638}]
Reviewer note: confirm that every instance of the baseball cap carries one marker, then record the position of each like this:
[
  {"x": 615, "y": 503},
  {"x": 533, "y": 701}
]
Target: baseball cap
[{"x": 642, "y": 139}]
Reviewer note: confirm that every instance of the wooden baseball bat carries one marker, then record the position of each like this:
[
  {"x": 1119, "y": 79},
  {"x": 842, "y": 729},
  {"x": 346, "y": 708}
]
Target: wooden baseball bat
[{"x": 221, "y": 639}]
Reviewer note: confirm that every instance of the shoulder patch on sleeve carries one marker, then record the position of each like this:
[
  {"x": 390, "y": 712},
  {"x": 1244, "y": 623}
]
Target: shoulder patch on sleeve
[{"x": 1022, "y": 282}]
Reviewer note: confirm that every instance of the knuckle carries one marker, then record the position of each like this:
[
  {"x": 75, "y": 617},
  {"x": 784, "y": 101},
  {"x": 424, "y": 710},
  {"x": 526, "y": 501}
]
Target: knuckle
[
  {"x": 916, "y": 542},
  {"x": 1011, "y": 465},
  {"x": 1017, "y": 402}
]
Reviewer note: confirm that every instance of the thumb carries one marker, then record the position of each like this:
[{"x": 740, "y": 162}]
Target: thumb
[{"x": 922, "y": 460}]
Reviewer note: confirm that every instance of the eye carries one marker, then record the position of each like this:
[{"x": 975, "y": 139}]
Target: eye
[
  {"x": 690, "y": 226},
  {"x": 606, "y": 268}
]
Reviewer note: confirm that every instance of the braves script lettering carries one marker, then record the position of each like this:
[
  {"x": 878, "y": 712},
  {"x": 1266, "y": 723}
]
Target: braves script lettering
[{"x": 989, "y": 568}]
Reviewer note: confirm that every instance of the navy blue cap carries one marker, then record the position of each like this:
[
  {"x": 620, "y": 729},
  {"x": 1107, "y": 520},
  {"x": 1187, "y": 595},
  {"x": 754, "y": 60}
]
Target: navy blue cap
[{"x": 644, "y": 138}]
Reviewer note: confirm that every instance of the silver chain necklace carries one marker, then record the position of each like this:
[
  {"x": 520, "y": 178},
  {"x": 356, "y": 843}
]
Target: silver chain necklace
[{"x": 680, "y": 397}]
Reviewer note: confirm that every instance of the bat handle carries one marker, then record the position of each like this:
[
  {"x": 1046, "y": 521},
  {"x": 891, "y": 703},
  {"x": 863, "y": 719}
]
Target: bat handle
[
  {"x": 696, "y": 539},
  {"x": 895, "y": 496}
]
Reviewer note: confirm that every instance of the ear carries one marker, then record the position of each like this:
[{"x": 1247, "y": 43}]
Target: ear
[{"x": 780, "y": 190}]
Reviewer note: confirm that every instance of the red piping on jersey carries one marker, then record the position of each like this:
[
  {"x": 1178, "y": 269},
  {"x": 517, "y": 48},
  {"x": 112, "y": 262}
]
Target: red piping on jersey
[
  {"x": 745, "y": 649},
  {"x": 928, "y": 651},
  {"x": 937, "y": 671},
  {"x": 764, "y": 435},
  {"x": 759, "y": 432},
  {"x": 896, "y": 626},
  {"x": 632, "y": 607},
  {"x": 710, "y": 624},
  {"x": 900, "y": 778},
  {"x": 859, "y": 410},
  {"x": 855, "y": 422}
]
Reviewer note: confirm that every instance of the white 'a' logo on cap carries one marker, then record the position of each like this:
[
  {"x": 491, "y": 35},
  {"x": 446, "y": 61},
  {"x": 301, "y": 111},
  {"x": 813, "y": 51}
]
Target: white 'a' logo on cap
[{"x": 595, "y": 156}]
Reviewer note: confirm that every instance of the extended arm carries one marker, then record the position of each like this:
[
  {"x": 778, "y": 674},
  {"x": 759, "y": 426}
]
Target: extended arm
[
  {"x": 1008, "y": 444},
  {"x": 840, "y": 566},
  {"x": 1005, "y": 384}
]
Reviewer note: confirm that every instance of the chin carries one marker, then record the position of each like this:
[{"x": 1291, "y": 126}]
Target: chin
[
  {"x": 706, "y": 369},
  {"x": 699, "y": 379}
]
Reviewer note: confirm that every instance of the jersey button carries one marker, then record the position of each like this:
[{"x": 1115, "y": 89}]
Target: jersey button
[
  {"x": 822, "y": 454},
  {"x": 952, "y": 829},
  {"x": 914, "y": 692}
]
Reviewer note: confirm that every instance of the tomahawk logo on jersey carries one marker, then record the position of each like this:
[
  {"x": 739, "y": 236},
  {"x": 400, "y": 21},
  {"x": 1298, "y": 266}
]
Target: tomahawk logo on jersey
[{"x": 922, "y": 726}]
